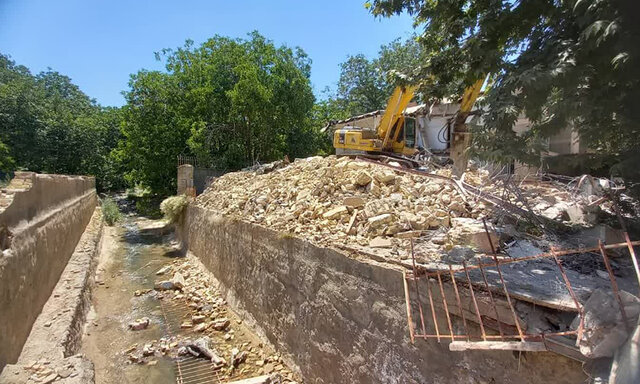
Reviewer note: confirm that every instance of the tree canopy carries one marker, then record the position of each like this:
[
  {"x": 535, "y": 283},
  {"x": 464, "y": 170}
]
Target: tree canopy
[
  {"x": 561, "y": 63},
  {"x": 230, "y": 102},
  {"x": 47, "y": 124},
  {"x": 366, "y": 84}
]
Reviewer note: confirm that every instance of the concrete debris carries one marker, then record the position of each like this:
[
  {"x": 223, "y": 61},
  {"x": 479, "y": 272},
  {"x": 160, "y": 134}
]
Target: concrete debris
[
  {"x": 605, "y": 328},
  {"x": 380, "y": 242},
  {"x": 139, "y": 324},
  {"x": 238, "y": 357},
  {"x": 328, "y": 200},
  {"x": 459, "y": 254},
  {"x": 221, "y": 324},
  {"x": 165, "y": 285},
  {"x": 178, "y": 280},
  {"x": 470, "y": 232},
  {"x": 202, "y": 348}
]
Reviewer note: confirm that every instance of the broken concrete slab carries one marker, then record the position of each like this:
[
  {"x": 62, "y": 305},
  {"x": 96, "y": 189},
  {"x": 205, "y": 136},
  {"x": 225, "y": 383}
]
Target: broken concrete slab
[
  {"x": 471, "y": 232},
  {"x": 605, "y": 330},
  {"x": 380, "y": 242}
]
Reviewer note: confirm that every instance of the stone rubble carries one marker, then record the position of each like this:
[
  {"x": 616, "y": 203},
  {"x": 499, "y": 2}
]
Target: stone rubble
[
  {"x": 207, "y": 331},
  {"x": 340, "y": 200},
  {"x": 139, "y": 324},
  {"x": 336, "y": 202}
]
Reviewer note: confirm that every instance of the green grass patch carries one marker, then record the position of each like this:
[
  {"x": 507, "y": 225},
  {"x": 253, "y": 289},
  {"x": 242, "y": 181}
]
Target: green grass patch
[
  {"x": 110, "y": 211},
  {"x": 172, "y": 207}
]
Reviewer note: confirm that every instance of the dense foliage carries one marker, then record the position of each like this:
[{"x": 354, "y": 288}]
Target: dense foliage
[
  {"x": 366, "y": 84},
  {"x": 562, "y": 63},
  {"x": 230, "y": 102},
  {"x": 47, "y": 124}
]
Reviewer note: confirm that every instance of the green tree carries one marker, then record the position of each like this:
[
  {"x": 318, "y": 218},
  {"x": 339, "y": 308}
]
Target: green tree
[
  {"x": 231, "y": 102},
  {"x": 571, "y": 63},
  {"x": 365, "y": 85},
  {"x": 47, "y": 124}
]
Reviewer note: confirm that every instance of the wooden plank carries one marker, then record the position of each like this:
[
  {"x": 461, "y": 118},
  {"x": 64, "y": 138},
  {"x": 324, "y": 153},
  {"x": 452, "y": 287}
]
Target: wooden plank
[{"x": 530, "y": 346}]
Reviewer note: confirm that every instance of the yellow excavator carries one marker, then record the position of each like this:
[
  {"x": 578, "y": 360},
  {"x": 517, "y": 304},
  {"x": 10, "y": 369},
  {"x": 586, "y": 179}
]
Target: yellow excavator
[{"x": 395, "y": 136}]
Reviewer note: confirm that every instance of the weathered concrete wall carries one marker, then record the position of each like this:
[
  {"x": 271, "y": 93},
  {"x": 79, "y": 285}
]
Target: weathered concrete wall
[
  {"x": 342, "y": 320},
  {"x": 42, "y": 218}
]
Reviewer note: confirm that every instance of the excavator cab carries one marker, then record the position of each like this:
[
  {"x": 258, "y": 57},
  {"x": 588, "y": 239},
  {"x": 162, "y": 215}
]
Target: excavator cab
[{"x": 394, "y": 134}]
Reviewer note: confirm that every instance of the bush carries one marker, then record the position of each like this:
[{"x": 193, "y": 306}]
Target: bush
[
  {"x": 173, "y": 206},
  {"x": 110, "y": 211}
]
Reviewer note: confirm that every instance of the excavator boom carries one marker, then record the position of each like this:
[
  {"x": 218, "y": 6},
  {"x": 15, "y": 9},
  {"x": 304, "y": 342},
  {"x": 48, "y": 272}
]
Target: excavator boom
[{"x": 397, "y": 103}]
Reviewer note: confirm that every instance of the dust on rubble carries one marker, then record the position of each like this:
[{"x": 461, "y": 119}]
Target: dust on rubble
[
  {"x": 208, "y": 329},
  {"x": 332, "y": 201}
]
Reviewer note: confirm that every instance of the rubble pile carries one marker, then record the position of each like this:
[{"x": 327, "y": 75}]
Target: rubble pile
[
  {"x": 329, "y": 200},
  {"x": 208, "y": 329},
  {"x": 44, "y": 371}
]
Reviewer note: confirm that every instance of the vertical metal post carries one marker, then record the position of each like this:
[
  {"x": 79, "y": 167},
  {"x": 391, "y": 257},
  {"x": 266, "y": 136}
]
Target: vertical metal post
[
  {"x": 446, "y": 307},
  {"x": 475, "y": 303},
  {"x": 408, "y": 303},
  {"x": 415, "y": 282},
  {"x": 433, "y": 312},
  {"x": 573, "y": 295},
  {"x": 504, "y": 285},
  {"x": 455, "y": 288},
  {"x": 614, "y": 285},
  {"x": 493, "y": 302}
]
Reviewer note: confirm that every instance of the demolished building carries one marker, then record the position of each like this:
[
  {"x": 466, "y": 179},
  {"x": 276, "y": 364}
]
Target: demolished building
[
  {"x": 349, "y": 263},
  {"x": 433, "y": 132}
]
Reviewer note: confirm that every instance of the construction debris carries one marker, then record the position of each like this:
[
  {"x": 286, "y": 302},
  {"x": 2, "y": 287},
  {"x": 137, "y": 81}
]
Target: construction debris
[
  {"x": 202, "y": 348},
  {"x": 329, "y": 200},
  {"x": 606, "y": 328},
  {"x": 139, "y": 324}
]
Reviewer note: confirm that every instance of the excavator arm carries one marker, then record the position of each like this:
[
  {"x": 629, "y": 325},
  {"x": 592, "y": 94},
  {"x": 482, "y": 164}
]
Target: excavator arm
[
  {"x": 397, "y": 103},
  {"x": 460, "y": 135}
]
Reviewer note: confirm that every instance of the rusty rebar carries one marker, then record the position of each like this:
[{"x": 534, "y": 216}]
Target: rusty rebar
[
  {"x": 543, "y": 255},
  {"x": 498, "y": 337},
  {"x": 573, "y": 295},
  {"x": 415, "y": 282},
  {"x": 408, "y": 303},
  {"x": 458, "y": 301},
  {"x": 627, "y": 240},
  {"x": 614, "y": 285},
  {"x": 433, "y": 312},
  {"x": 446, "y": 307},
  {"x": 493, "y": 302},
  {"x": 475, "y": 302},
  {"x": 504, "y": 285}
]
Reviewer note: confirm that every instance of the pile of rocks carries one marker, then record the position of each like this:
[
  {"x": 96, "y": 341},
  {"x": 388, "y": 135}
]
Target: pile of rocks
[
  {"x": 208, "y": 329},
  {"x": 332, "y": 200},
  {"x": 43, "y": 371}
]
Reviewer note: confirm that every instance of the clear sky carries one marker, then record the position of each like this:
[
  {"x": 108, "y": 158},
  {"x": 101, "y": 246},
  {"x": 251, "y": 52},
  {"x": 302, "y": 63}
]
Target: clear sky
[{"x": 99, "y": 43}]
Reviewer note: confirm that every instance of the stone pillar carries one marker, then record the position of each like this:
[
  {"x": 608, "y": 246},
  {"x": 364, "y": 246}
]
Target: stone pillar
[{"x": 185, "y": 180}]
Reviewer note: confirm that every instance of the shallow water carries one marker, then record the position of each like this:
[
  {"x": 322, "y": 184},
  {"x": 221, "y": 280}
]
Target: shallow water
[{"x": 128, "y": 263}]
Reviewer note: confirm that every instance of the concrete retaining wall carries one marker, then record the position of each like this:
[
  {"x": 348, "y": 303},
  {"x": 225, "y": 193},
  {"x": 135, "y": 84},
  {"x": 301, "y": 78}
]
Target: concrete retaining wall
[
  {"x": 42, "y": 218},
  {"x": 342, "y": 320}
]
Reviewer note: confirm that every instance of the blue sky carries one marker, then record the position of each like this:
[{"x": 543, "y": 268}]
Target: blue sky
[{"x": 99, "y": 43}]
